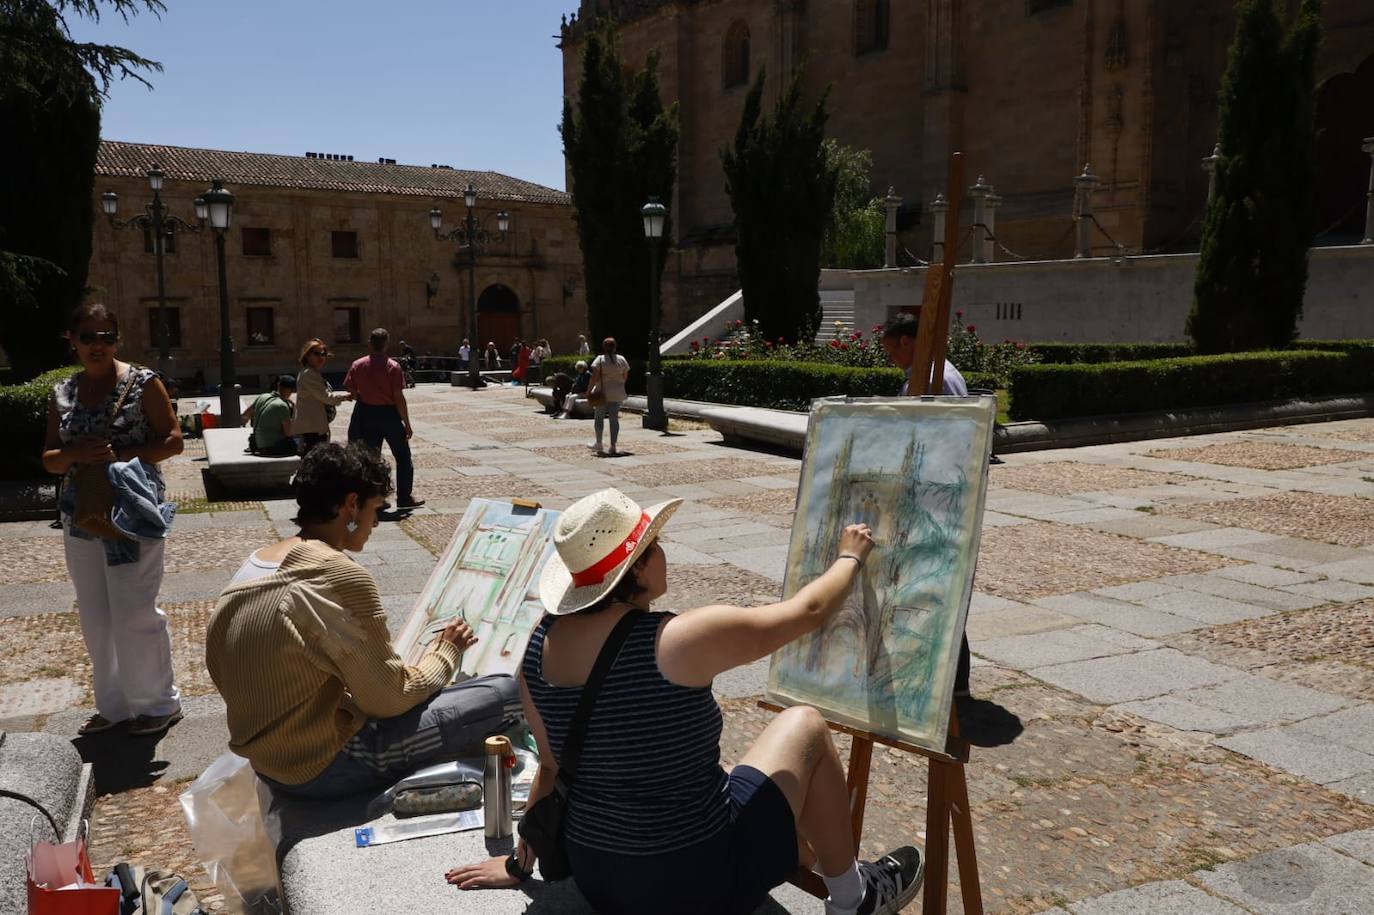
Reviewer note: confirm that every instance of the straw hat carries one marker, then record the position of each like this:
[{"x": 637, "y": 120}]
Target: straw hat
[{"x": 597, "y": 540}]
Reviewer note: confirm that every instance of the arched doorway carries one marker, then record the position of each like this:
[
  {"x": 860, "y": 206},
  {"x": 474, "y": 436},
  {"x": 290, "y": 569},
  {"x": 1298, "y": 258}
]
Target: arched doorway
[
  {"x": 1345, "y": 116},
  {"x": 498, "y": 316}
]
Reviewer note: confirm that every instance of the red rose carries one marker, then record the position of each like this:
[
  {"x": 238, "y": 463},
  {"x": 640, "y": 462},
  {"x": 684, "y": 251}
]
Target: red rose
[
  {"x": 972, "y": 329},
  {"x": 844, "y": 346}
]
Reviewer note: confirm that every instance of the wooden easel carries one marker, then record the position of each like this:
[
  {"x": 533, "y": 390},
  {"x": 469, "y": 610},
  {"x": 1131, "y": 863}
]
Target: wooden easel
[{"x": 947, "y": 806}]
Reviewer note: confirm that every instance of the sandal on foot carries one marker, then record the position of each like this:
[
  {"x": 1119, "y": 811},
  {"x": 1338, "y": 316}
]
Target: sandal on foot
[
  {"x": 148, "y": 725},
  {"x": 96, "y": 724}
]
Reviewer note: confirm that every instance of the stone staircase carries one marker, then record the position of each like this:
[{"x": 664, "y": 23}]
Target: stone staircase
[{"x": 837, "y": 308}]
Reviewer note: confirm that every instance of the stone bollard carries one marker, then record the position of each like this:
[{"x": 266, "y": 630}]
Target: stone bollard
[
  {"x": 1368, "y": 239},
  {"x": 1083, "y": 187},
  {"x": 993, "y": 202},
  {"x": 940, "y": 207},
  {"x": 979, "y": 192},
  {"x": 1209, "y": 165},
  {"x": 891, "y": 203}
]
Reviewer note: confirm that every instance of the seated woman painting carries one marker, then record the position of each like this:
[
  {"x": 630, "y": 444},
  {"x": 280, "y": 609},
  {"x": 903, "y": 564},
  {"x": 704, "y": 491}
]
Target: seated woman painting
[
  {"x": 316, "y": 698},
  {"x": 655, "y": 824}
]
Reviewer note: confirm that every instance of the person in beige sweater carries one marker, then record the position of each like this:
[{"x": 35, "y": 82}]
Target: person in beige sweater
[
  {"x": 314, "y": 398},
  {"x": 316, "y": 698}
]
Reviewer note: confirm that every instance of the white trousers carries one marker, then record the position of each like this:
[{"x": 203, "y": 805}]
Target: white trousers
[{"x": 125, "y": 632}]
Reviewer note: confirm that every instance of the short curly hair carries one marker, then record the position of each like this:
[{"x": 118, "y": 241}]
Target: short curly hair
[{"x": 330, "y": 472}]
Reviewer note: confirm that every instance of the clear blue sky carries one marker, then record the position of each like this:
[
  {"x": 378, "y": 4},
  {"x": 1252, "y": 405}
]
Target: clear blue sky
[{"x": 464, "y": 83}]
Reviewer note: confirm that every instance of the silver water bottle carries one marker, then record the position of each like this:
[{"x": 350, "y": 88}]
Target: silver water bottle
[{"x": 496, "y": 803}]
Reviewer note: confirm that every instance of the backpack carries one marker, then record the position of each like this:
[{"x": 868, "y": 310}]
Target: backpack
[{"x": 152, "y": 892}]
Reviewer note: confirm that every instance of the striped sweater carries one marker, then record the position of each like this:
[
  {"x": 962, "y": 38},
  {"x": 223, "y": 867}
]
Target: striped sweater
[{"x": 302, "y": 658}]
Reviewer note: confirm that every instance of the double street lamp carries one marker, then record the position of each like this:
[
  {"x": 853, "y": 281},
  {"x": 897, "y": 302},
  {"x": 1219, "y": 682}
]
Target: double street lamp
[
  {"x": 215, "y": 207},
  {"x": 655, "y": 215},
  {"x": 472, "y": 234}
]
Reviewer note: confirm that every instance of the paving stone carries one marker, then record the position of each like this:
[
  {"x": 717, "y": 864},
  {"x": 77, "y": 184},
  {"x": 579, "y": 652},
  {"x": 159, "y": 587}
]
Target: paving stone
[
  {"x": 997, "y": 519},
  {"x": 1187, "y": 715},
  {"x": 994, "y": 617},
  {"x": 1344, "y": 520},
  {"x": 1061, "y": 646},
  {"x": 1119, "y": 614},
  {"x": 1303, "y": 754},
  {"x": 1213, "y": 538},
  {"x": 1259, "y": 595},
  {"x": 1147, "y": 525},
  {"x": 1359, "y": 569},
  {"x": 680, "y": 553},
  {"x": 1305, "y": 554},
  {"x": 1137, "y": 590},
  {"x": 1308, "y": 878},
  {"x": 1169, "y": 897},
  {"x": 1331, "y": 590},
  {"x": 1243, "y": 703},
  {"x": 1351, "y": 727},
  {"x": 1358, "y": 845},
  {"x": 39, "y": 697},
  {"x": 1259, "y": 455},
  {"x": 1266, "y": 576},
  {"x": 1360, "y": 787},
  {"x": 768, "y": 561},
  {"x": 1134, "y": 676}
]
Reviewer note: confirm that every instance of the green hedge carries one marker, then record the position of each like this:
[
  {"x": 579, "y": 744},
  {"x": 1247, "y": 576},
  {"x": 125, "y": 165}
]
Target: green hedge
[
  {"x": 766, "y": 383},
  {"x": 1093, "y": 353},
  {"x": 1048, "y": 392},
  {"x": 24, "y": 417}
]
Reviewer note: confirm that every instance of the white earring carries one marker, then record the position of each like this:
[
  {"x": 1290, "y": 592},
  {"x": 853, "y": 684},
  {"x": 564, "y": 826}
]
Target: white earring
[{"x": 352, "y": 525}]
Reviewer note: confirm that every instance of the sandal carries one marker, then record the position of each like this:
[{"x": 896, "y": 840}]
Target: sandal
[
  {"x": 148, "y": 725},
  {"x": 96, "y": 724}
]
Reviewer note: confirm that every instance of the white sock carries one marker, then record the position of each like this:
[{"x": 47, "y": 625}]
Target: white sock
[{"x": 846, "y": 890}]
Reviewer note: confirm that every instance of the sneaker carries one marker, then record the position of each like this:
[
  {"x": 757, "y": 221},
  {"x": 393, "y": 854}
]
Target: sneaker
[
  {"x": 148, "y": 725},
  {"x": 409, "y": 502},
  {"x": 96, "y": 724},
  {"x": 891, "y": 881}
]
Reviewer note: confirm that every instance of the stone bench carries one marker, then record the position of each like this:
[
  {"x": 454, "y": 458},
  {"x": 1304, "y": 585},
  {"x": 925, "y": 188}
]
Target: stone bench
[
  {"x": 459, "y": 379},
  {"x": 755, "y": 425},
  {"x": 323, "y": 872},
  {"x": 230, "y": 467},
  {"x": 544, "y": 394}
]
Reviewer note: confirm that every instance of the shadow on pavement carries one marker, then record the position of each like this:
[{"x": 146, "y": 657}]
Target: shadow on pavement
[
  {"x": 119, "y": 762},
  {"x": 987, "y": 724}
]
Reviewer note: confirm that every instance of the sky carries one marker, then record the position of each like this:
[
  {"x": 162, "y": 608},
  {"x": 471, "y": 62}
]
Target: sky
[{"x": 464, "y": 83}]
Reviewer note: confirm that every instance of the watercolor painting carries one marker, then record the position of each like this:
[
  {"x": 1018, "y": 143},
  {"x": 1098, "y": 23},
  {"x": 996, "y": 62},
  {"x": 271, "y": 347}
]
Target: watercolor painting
[
  {"x": 914, "y": 470},
  {"x": 489, "y": 575}
]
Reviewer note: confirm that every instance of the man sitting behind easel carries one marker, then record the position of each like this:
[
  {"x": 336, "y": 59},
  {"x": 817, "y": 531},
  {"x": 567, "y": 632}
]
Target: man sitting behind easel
[{"x": 899, "y": 342}]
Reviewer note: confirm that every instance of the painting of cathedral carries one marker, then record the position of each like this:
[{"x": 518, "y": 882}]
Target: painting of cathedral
[
  {"x": 489, "y": 575},
  {"x": 915, "y": 471}
]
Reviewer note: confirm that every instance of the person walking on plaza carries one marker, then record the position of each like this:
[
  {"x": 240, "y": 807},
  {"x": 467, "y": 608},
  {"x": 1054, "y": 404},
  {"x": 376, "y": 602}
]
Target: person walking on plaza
[
  {"x": 380, "y": 412},
  {"x": 316, "y": 401},
  {"x": 652, "y": 821},
  {"x": 492, "y": 356},
  {"x": 112, "y": 411},
  {"x": 609, "y": 372},
  {"x": 316, "y": 698},
  {"x": 464, "y": 354},
  {"x": 272, "y": 418},
  {"x": 583, "y": 348},
  {"x": 521, "y": 373}
]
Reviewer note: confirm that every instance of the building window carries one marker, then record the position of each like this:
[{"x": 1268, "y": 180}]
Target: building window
[
  {"x": 348, "y": 325},
  {"x": 257, "y": 242},
  {"x": 260, "y": 328},
  {"x": 734, "y": 56},
  {"x": 169, "y": 242},
  {"x": 870, "y": 25},
  {"x": 173, "y": 327},
  {"x": 1039, "y": 6},
  {"x": 344, "y": 244}
]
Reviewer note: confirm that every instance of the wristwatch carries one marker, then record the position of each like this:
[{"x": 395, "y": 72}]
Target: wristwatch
[{"x": 513, "y": 868}]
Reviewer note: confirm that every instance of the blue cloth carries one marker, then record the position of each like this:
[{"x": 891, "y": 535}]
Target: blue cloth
[
  {"x": 138, "y": 507},
  {"x": 727, "y": 874}
]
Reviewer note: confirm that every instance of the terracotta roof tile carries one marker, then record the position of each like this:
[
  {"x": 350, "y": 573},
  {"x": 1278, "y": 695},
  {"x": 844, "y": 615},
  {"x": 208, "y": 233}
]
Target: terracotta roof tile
[{"x": 181, "y": 163}]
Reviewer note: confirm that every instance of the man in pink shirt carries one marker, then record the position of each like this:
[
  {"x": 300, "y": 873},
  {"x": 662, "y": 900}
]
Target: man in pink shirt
[{"x": 380, "y": 413}]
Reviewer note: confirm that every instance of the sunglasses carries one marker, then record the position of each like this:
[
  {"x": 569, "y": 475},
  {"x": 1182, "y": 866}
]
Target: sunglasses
[
  {"x": 88, "y": 337},
  {"x": 318, "y": 352}
]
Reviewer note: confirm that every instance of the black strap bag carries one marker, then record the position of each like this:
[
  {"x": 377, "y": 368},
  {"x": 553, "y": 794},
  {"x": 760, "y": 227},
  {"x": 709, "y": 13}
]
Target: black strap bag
[{"x": 542, "y": 825}]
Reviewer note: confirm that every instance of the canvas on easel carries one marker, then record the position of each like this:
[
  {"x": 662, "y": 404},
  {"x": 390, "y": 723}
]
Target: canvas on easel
[
  {"x": 914, "y": 470},
  {"x": 489, "y": 575}
]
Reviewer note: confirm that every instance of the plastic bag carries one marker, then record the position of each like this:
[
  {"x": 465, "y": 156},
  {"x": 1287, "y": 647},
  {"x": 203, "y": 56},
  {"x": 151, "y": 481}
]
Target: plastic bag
[{"x": 223, "y": 809}]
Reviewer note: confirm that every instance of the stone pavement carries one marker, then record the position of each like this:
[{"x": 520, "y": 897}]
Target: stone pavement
[{"x": 1174, "y": 646}]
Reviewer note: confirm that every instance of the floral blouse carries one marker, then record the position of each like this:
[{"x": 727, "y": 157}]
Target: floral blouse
[{"x": 129, "y": 429}]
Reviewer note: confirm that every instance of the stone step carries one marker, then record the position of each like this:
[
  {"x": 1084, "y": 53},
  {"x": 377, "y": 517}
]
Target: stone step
[{"x": 49, "y": 770}]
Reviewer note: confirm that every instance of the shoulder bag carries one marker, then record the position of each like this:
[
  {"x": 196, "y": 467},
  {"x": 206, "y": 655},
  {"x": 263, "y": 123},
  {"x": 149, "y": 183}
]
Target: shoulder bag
[
  {"x": 94, "y": 493},
  {"x": 542, "y": 825}
]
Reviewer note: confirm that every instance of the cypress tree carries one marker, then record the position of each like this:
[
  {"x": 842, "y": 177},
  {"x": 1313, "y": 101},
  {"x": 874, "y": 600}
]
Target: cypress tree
[
  {"x": 1252, "y": 269},
  {"x": 781, "y": 184},
  {"x": 621, "y": 147}
]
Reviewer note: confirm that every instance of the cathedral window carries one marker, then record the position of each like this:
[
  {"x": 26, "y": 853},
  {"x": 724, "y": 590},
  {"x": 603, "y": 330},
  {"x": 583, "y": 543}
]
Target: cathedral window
[
  {"x": 734, "y": 56},
  {"x": 870, "y": 25}
]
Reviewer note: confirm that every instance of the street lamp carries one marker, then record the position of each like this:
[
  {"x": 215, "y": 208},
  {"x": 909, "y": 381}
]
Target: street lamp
[
  {"x": 655, "y": 215},
  {"x": 472, "y": 234},
  {"x": 218, "y": 205},
  {"x": 160, "y": 224}
]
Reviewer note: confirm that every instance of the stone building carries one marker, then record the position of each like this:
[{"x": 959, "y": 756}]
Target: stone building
[
  {"x": 329, "y": 247},
  {"x": 1028, "y": 90}
]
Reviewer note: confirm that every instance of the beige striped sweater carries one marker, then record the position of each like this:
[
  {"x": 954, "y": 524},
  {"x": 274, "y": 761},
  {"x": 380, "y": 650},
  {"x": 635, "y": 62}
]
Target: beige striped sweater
[{"x": 302, "y": 658}]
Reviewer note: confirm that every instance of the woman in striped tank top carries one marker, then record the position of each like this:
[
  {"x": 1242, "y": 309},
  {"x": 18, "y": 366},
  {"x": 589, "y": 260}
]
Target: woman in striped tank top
[{"x": 654, "y": 823}]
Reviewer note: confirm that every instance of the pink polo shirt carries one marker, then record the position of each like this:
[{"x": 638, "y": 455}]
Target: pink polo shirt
[{"x": 376, "y": 380}]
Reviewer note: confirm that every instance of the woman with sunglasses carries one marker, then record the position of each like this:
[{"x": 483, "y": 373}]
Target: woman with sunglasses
[
  {"x": 315, "y": 399},
  {"x": 114, "y": 411}
]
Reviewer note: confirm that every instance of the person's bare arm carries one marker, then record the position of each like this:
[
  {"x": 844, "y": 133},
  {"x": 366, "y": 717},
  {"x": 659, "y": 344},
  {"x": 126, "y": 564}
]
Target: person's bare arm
[
  {"x": 164, "y": 432},
  {"x": 59, "y": 458},
  {"x": 695, "y": 646}
]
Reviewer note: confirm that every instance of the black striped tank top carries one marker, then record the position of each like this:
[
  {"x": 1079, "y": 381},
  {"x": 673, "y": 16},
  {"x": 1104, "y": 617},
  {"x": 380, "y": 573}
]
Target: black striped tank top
[{"x": 650, "y": 779}]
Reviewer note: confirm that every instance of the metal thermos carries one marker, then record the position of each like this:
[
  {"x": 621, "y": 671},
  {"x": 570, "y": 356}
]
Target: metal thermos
[{"x": 496, "y": 804}]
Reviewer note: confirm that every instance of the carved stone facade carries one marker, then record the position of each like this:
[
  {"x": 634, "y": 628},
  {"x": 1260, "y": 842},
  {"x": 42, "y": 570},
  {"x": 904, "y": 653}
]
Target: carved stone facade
[
  {"x": 1028, "y": 90},
  {"x": 331, "y": 249}
]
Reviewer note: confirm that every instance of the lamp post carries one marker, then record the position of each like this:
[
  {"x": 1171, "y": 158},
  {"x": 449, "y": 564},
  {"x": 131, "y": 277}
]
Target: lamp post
[
  {"x": 655, "y": 215},
  {"x": 472, "y": 234},
  {"x": 160, "y": 224},
  {"x": 220, "y": 204}
]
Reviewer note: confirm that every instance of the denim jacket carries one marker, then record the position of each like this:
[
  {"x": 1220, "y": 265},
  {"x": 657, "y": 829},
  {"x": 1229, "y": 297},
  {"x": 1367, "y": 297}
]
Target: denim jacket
[{"x": 138, "y": 511}]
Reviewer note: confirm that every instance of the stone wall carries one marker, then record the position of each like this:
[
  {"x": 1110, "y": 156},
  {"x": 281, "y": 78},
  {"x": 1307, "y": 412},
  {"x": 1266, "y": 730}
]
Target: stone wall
[{"x": 1098, "y": 300}]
